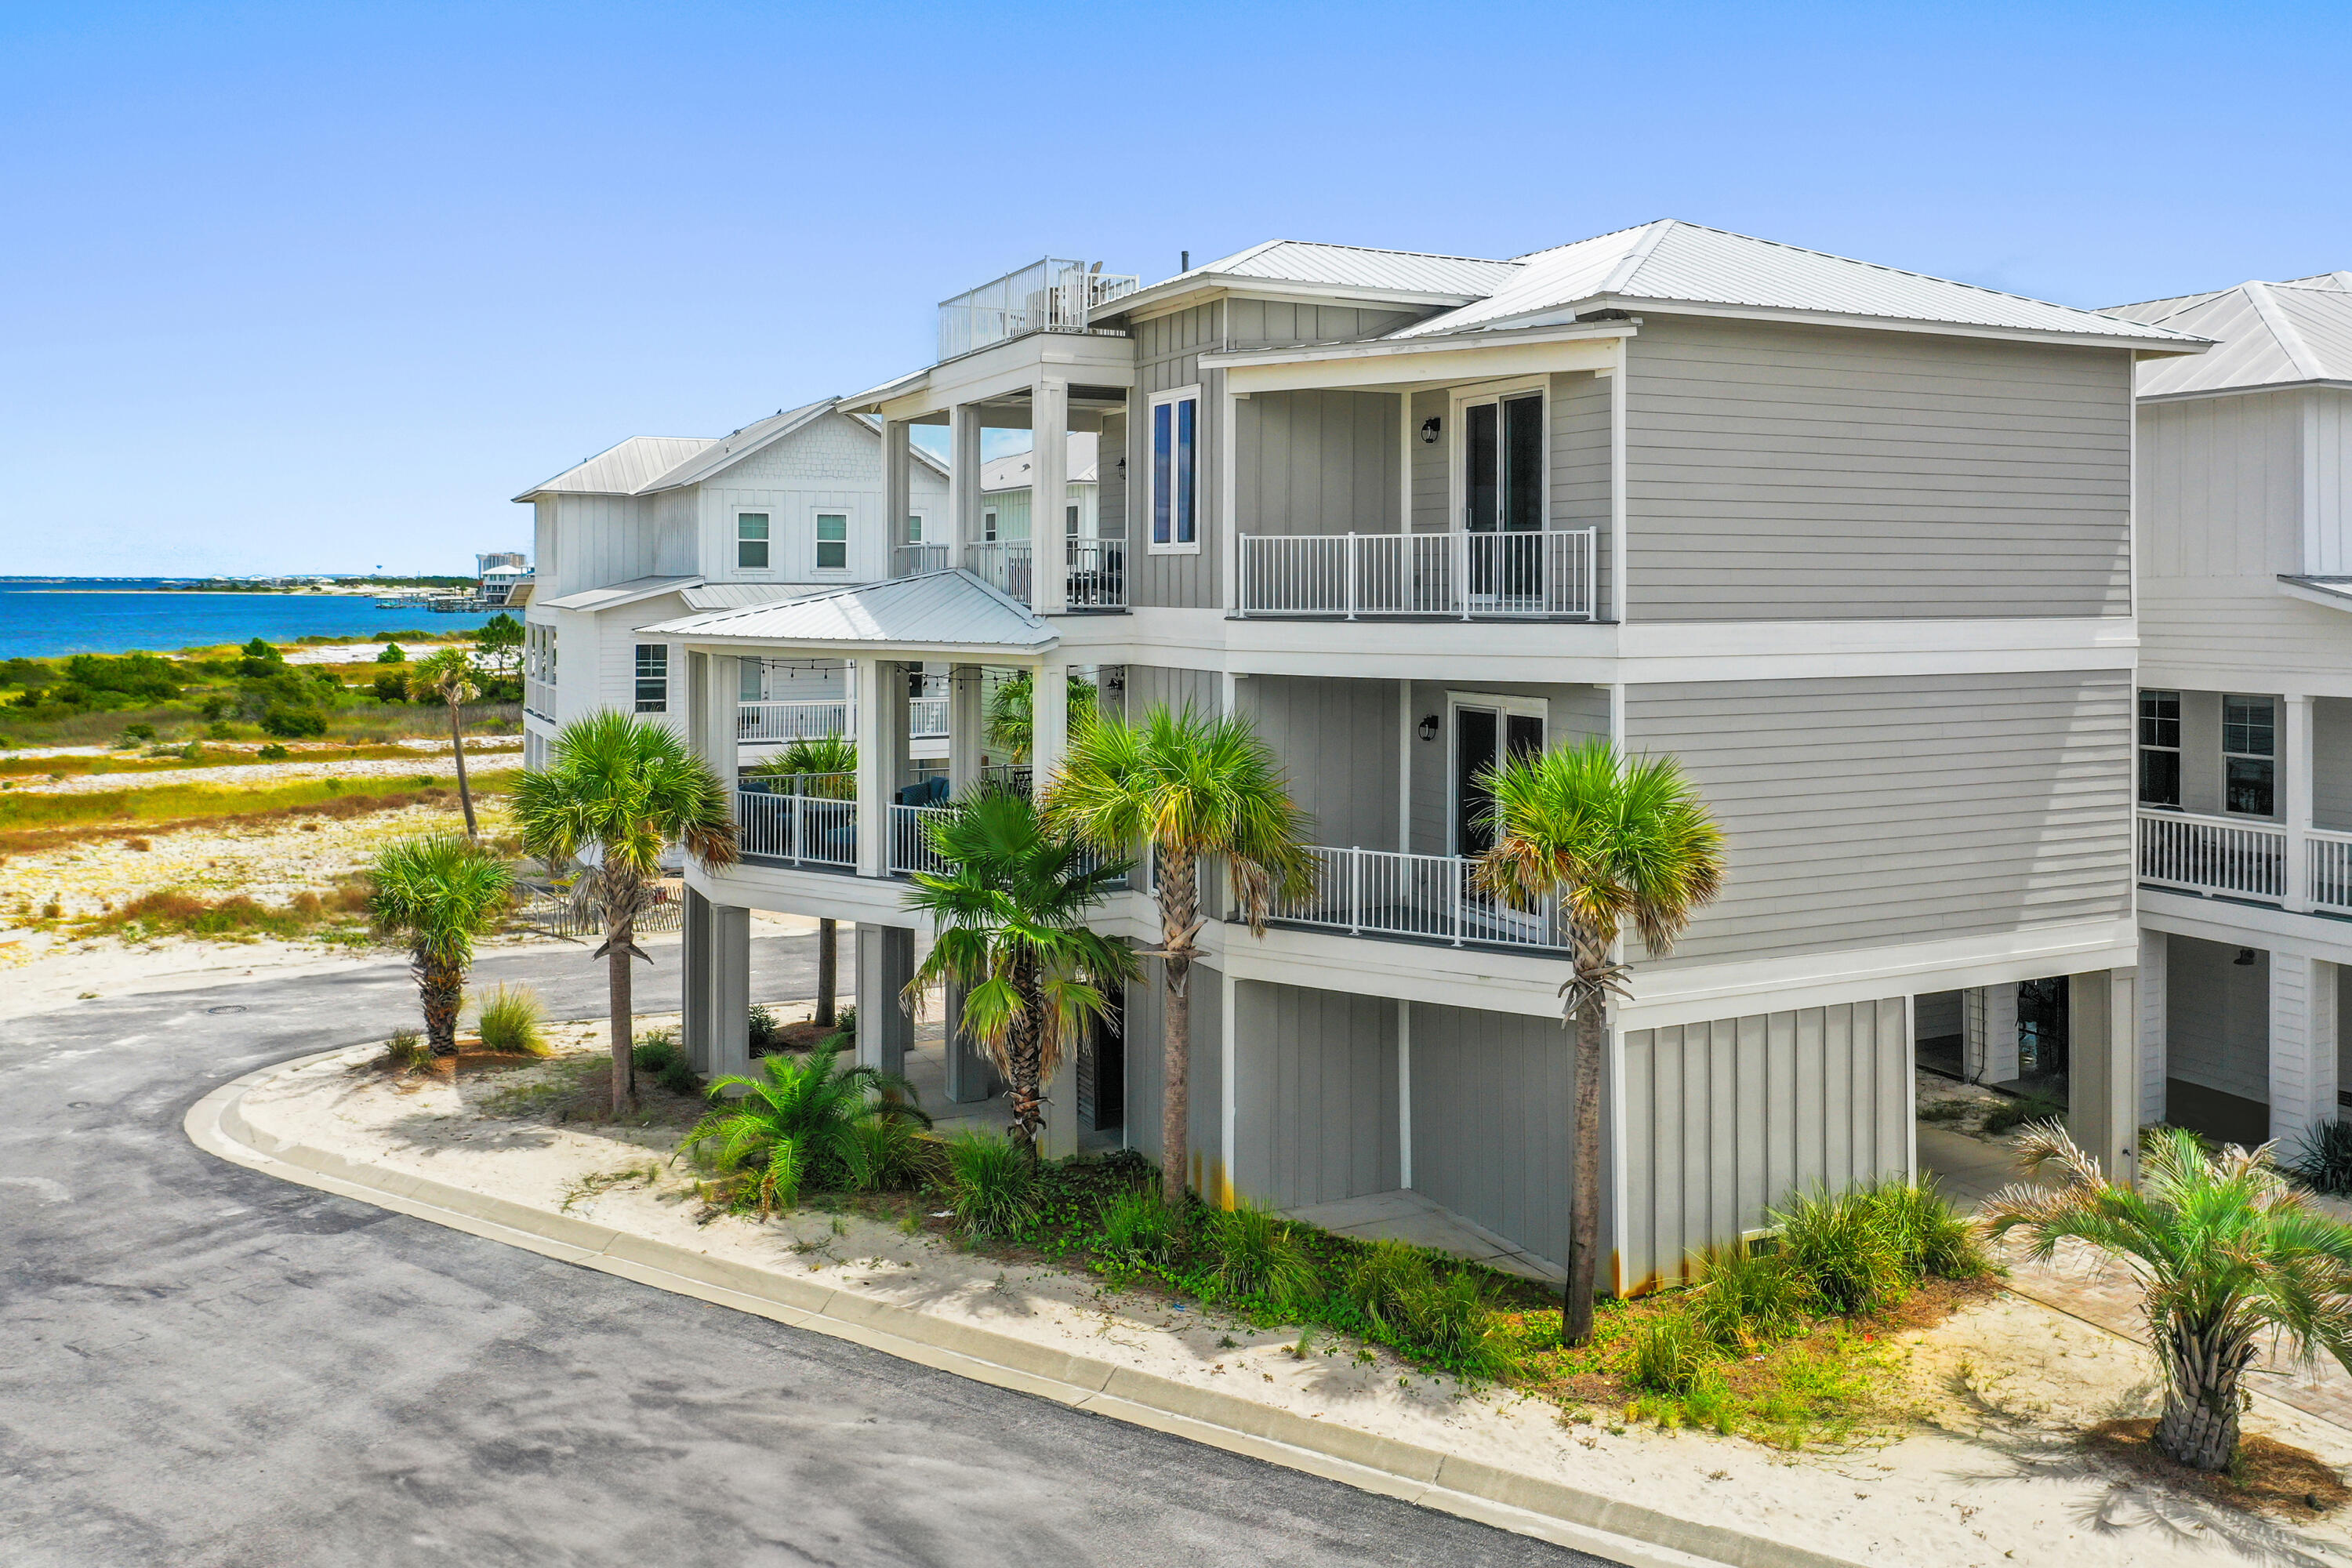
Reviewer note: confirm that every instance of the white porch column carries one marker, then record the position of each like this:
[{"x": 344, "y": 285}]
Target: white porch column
[
  {"x": 898, "y": 492},
  {"x": 2155, "y": 1025},
  {"x": 868, "y": 678},
  {"x": 730, "y": 989},
  {"x": 1049, "y": 726},
  {"x": 885, "y": 963},
  {"x": 2297, "y": 764},
  {"x": 963, "y": 480},
  {"x": 967, "y": 720},
  {"x": 1999, "y": 1033},
  {"x": 2303, "y": 1044},
  {"x": 1049, "y": 464},
  {"x": 694, "y": 983}
]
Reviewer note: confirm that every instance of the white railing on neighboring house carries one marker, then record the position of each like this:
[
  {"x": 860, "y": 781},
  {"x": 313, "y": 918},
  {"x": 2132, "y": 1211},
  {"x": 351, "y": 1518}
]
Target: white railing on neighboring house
[
  {"x": 1098, "y": 573},
  {"x": 2330, "y": 855},
  {"x": 914, "y": 559},
  {"x": 805, "y": 720},
  {"x": 1432, "y": 898},
  {"x": 539, "y": 698},
  {"x": 926, "y": 717},
  {"x": 2212, "y": 855},
  {"x": 1002, "y": 564},
  {"x": 1459, "y": 574},
  {"x": 910, "y": 839},
  {"x": 803, "y": 829}
]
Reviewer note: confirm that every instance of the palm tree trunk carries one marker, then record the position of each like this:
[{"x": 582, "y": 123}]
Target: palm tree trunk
[
  {"x": 2199, "y": 1427},
  {"x": 1584, "y": 1187},
  {"x": 828, "y": 960},
  {"x": 441, "y": 991},
  {"x": 1022, "y": 1059},
  {"x": 620, "y": 931},
  {"x": 465, "y": 793},
  {"x": 1180, "y": 899}
]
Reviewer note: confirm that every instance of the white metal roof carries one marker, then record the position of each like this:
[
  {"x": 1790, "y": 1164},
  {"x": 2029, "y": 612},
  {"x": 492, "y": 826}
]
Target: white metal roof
[
  {"x": 740, "y": 595},
  {"x": 623, "y": 469},
  {"x": 2269, "y": 334},
  {"x": 614, "y": 594},
  {"x": 736, "y": 445},
  {"x": 1360, "y": 266},
  {"x": 1673, "y": 262},
  {"x": 1012, "y": 472},
  {"x": 936, "y": 610}
]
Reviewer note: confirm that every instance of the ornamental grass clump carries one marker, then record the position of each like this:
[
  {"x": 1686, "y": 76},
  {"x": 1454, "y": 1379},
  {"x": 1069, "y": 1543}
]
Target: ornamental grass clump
[
  {"x": 1138, "y": 1227},
  {"x": 1747, "y": 1298},
  {"x": 1672, "y": 1353},
  {"x": 1450, "y": 1318},
  {"x": 1932, "y": 1240},
  {"x": 2323, "y": 1158},
  {"x": 1252, "y": 1253},
  {"x": 991, "y": 1183},
  {"x": 1849, "y": 1258},
  {"x": 1383, "y": 1278},
  {"x": 512, "y": 1019}
]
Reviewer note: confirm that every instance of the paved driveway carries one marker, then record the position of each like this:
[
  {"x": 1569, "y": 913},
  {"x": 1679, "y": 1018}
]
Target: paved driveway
[{"x": 202, "y": 1365}]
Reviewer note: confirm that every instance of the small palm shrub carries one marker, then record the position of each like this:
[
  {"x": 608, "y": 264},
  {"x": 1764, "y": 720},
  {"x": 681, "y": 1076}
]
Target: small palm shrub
[
  {"x": 1138, "y": 1227},
  {"x": 512, "y": 1019},
  {"x": 767, "y": 1035},
  {"x": 992, "y": 1183},
  {"x": 2323, "y": 1159},
  {"x": 800, "y": 1124},
  {"x": 1747, "y": 1298},
  {"x": 1844, "y": 1251},
  {"x": 1672, "y": 1353},
  {"x": 1252, "y": 1253}
]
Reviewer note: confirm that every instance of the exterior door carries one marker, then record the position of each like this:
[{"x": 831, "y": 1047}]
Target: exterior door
[
  {"x": 1481, "y": 736},
  {"x": 1503, "y": 492}
]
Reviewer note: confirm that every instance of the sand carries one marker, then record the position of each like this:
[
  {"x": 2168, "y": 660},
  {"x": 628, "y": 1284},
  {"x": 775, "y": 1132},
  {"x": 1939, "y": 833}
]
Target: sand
[
  {"x": 432, "y": 757},
  {"x": 1988, "y": 1473}
]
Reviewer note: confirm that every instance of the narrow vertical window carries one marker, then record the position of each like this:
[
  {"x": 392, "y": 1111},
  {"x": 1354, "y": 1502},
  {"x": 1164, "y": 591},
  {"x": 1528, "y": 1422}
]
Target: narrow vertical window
[
  {"x": 2159, "y": 748},
  {"x": 653, "y": 677},
  {"x": 1163, "y": 458},
  {"x": 832, "y": 542},
  {"x": 2249, "y": 757},
  {"x": 1175, "y": 461},
  {"x": 1184, "y": 487},
  {"x": 1070, "y": 521},
  {"x": 751, "y": 540},
  {"x": 915, "y": 529}
]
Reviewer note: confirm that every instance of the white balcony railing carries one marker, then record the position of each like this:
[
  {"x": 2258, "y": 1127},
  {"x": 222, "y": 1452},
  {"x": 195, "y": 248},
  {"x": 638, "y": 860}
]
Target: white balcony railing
[
  {"x": 927, "y": 718},
  {"x": 910, "y": 839},
  {"x": 1050, "y": 296},
  {"x": 1098, "y": 573},
  {"x": 2213, "y": 855},
  {"x": 800, "y": 829},
  {"x": 759, "y": 722},
  {"x": 2330, "y": 855},
  {"x": 1432, "y": 898},
  {"x": 914, "y": 559},
  {"x": 539, "y": 698},
  {"x": 1002, "y": 564},
  {"x": 1458, "y": 574}
]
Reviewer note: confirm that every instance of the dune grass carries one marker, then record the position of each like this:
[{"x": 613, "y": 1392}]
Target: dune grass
[{"x": 31, "y": 822}]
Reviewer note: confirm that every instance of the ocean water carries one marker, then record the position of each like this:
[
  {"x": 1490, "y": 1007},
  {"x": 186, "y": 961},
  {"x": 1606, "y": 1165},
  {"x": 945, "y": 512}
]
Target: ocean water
[{"x": 45, "y": 618}]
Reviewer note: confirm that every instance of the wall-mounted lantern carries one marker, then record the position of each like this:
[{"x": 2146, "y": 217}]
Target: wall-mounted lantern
[
  {"x": 1429, "y": 431},
  {"x": 1428, "y": 727}
]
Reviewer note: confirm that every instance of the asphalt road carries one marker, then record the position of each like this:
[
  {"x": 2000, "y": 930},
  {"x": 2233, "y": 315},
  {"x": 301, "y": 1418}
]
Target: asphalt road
[{"x": 200, "y": 1365}]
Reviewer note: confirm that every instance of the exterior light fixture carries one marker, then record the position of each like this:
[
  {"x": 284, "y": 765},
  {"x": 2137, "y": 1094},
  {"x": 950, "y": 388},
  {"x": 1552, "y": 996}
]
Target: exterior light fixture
[
  {"x": 1428, "y": 727},
  {"x": 1429, "y": 428},
  {"x": 2245, "y": 958}
]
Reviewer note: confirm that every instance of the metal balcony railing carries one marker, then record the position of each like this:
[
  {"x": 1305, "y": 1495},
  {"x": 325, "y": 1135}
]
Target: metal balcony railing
[
  {"x": 915, "y": 559},
  {"x": 1002, "y": 564},
  {"x": 2213, "y": 855},
  {"x": 796, "y": 828},
  {"x": 763, "y": 721},
  {"x": 1457, "y": 575},
  {"x": 910, "y": 839},
  {"x": 1055, "y": 295},
  {"x": 1426, "y": 898},
  {"x": 539, "y": 698}
]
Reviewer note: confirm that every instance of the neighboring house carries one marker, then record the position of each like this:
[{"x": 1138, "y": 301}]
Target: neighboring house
[
  {"x": 2245, "y": 709},
  {"x": 1852, "y": 543},
  {"x": 1004, "y": 491},
  {"x": 659, "y": 526}
]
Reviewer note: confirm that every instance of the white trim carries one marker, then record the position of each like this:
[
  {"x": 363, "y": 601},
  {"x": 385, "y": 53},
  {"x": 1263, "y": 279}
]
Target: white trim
[
  {"x": 1191, "y": 394},
  {"x": 735, "y": 567},
  {"x": 2173, "y": 344},
  {"x": 1620, "y": 510},
  {"x": 2245, "y": 925},
  {"x": 1427, "y": 362},
  {"x": 1404, "y": 1093}
]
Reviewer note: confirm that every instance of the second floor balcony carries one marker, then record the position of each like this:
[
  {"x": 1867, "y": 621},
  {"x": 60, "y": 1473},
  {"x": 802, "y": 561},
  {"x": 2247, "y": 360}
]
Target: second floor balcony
[
  {"x": 2256, "y": 862},
  {"x": 1094, "y": 569},
  {"x": 1458, "y": 575}
]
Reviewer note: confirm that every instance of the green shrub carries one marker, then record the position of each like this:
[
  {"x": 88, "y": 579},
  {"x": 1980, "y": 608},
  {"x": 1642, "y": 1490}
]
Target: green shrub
[
  {"x": 273, "y": 752},
  {"x": 392, "y": 687},
  {"x": 513, "y": 1019},
  {"x": 1670, "y": 1354},
  {"x": 799, "y": 1123},
  {"x": 767, "y": 1035},
  {"x": 1384, "y": 1277},
  {"x": 1252, "y": 1252},
  {"x": 2011, "y": 1114},
  {"x": 1452, "y": 1318},
  {"x": 658, "y": 1052},
  {"x": 1844, "y": 1251},
  {"x": 1747, "y": 1298},
  {"x": 392, "y": 654},
  {"x": 993, "y": 1184},
  {"x": 1138, "y": 1227},
  {"x": 139, "y": 732},
  {"x": 293, "y": 723},
  {"x": 1930, "y": 1236},
  {"x": 406, "y": 1051},
  {"x": 2323, "y": 1158}
]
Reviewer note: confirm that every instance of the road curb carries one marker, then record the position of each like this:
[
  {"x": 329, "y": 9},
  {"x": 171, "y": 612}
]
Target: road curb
[{"x": 1529, "y": 1505}]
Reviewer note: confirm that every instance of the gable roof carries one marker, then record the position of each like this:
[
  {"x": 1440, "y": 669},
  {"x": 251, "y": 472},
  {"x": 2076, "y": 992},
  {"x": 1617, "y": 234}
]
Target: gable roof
[
  {"x": 1340, "y": 271},
  {"x": 738, "y": 445},
  {"x": 2270, "y": 334},
  {"x": 1673, "y": 262},
  {"x": 950, "y": 609},
  {"x": 623, "y": 468},
  {"x": 1011, "y": 472}
]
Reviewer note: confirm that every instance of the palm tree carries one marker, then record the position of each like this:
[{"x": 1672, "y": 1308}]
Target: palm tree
[
  {"x": 825, "y": 766},
  {"x": 1188, "y": 785},
  {"x": 2225, "y": 1251},
  {"x": 1011, "y": 717},
  {"x": 1010, "y": 911},
  {"x": 624, "y": 787},
  {"x": 437, "y": 894},
  {"x": 1618, "y": 841},
  {"x": 799, "y": 1122},
  {"x": 449, "y": 676}
]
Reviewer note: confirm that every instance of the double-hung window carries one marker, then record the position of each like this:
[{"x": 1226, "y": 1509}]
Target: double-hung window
[
  {"x": 832, "y": 542},
  {"x": 2159, "y": 748},
  {"x": 2249, "y": 757},
  {"x": 915, "y": 529},
  {"x": 751, "y": 540},
  {"x": 1175, "y": 469},
  {"x": 653, "y": 677}
]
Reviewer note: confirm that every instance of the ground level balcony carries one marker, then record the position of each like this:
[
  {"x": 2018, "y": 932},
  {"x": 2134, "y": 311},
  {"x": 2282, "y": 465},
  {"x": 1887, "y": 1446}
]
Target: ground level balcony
[
  {"x": 1460, "y": 575},
  {"x": 2257, "y": 861}
]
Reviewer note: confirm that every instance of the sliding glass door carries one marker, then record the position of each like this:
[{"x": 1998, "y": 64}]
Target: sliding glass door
[{"x": 1503, "y": 492}]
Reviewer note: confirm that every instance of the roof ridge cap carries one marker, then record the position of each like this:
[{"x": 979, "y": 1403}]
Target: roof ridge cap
[
  {"x": 2298, "y": 353},
  {"x": 1631, "y": 262}
]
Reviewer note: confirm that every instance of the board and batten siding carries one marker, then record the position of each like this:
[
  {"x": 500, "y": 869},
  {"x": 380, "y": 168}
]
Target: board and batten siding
[
  {"x": 1146, "y": 1080},
  {"x": 1315, "y": 1075},
  {"x": 1492, "y": 1129},
  {"x": 832, "y": 465},
  {"x": 1784, "y": 472},
  {"x": 1167, "y": 352},
  {"x": 1724, "y": 1121},
  {"x": 1316, "y": 462},
  {"x": 1336, "y": 741},
  {"x": 2216, "y": 1016},
  {"x": 1150, "y": 686},
  {"x": 1870, "y": 810}
]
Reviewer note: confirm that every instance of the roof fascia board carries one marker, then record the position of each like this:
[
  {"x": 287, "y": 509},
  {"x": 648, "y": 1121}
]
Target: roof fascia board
[
  {"x": 2159, "y": 348},
  {"x": 1017, "y": 652},
  {"x": 870, "y": 401},
  {"x": 2340, "y": 603},
  {"x": 1206, "y": 288},
  {"x": 1443, "y": 343},
  {"x": 1436, "y": 365},
  {"x": 2257, "y": 388},
  {"x": 1016, "y": 365}
]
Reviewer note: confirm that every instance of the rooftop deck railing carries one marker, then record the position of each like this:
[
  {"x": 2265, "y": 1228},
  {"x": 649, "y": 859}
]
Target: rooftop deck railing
[
  {"x": 1055, "y": 295},
  {"x": 1457, "y": 575},
  {"x": 1426, "y": 898}
]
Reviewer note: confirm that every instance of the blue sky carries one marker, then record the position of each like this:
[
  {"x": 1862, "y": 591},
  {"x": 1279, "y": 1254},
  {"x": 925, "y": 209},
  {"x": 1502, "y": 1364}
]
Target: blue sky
[{"x": 309, "y": 288}]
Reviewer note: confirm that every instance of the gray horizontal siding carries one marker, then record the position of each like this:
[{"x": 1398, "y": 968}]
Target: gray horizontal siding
[
  {"x": 1873, "y": 810},
  {"x": 1578, "y": 492},
  {"x": 1783, "y": 472},
  {"x": 1493, "y": 1132},
  {"x": 1725, "y": 1120},
  {"x": 1316, "y": 1102},
  {"x": 2331, "y": 765}
]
